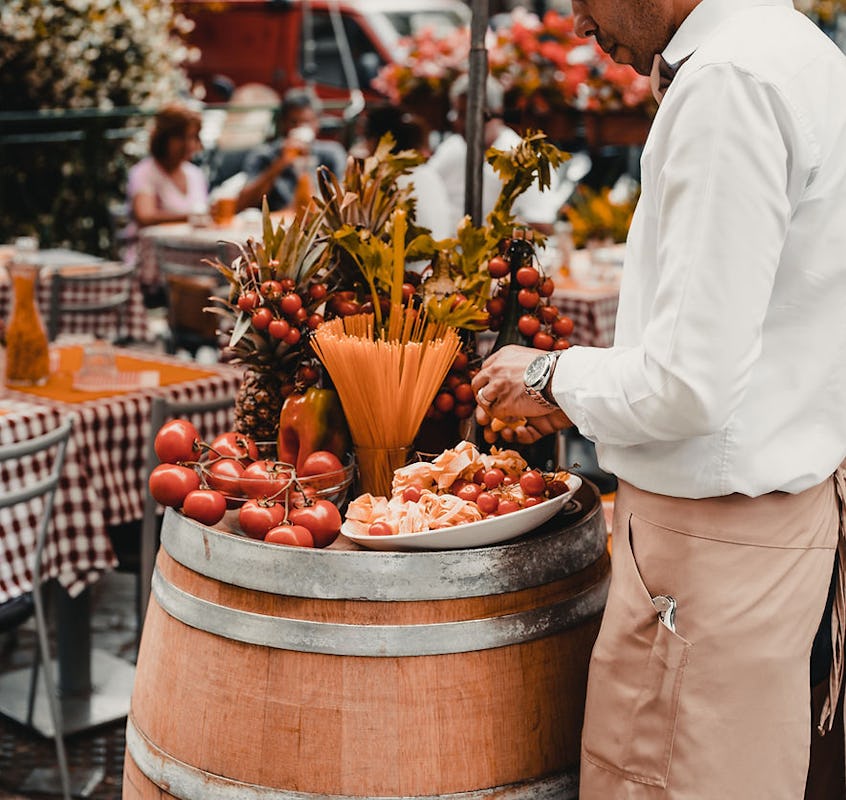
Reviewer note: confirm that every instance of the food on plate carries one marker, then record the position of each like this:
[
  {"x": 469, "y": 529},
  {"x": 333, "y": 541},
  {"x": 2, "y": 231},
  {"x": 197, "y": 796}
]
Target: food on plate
[{"x": 459, "y": 486}]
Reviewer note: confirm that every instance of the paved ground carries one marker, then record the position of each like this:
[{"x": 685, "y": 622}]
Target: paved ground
[{"x": 113, "y": 630}]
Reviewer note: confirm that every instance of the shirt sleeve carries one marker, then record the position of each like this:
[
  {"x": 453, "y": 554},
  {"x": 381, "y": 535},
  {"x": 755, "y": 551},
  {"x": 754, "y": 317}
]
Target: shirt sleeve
[{"x": 716, "y": 198}]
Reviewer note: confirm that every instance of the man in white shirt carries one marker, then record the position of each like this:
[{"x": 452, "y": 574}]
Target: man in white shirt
[
  {"x": 721, "y": 407},
  {"x": 534, "y": 207}
]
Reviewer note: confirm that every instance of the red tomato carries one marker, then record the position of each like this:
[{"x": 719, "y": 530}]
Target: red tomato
[
  {"x": 528, "y": 325},
  {"x": 561, "y": 344},
  {"x": 528, "y": 298},
  {"x": 532, "y": 501},
  {"x": 498, "y": 267},
  {"x": 295, "y": 535},
  {"x": 317, "y": 291},
  {"x": 549, "y": 314},
  {"x": 177, "y": 440},
  {"x": 248, "y": 301},
  {"x": 380, "y": 529},
  {"x": 279, "y": 328},
  {"x": 314, "y": 321},
  {"x": 495, "y": 306},
  {"x": 271, "y": 288},
  {"x": 170, "y": 483},
  {"x": 322, "y": 518},
  {"x": 493, "y": 477},
  {"x": 204, "y": 505},
  {"x": 464, "y": 393},
  {"x": 411, "y": 494},
  {"x": 487, "y": 502},
  {"x": 444, "y": 402},
  {"x": 469, "y": 492},
  {"x": 547, "y": 287},
  {"x": 464, "y": 410},
  {"x": 507, "y": 507},
  {"x": 479, "y": 475},
  {"x": 563, "y": 326},
  {"x": 234, "y": 445},
  {"x": 460, "y": 362},
  {"x": 320, "y": 462},
  {"x": 293, "y": 336},
  {"x": 542, "y": 341},
  {"x": 262, "y": 317},
  {"x": 224, "y": 475},
  {"x": 527, "y": 277},
  {"x": 291, "y": 303},
  {"x": 532, "y": 483},
  {"x": 256, "y": 519},
  {"x": 264, "y": 479}
]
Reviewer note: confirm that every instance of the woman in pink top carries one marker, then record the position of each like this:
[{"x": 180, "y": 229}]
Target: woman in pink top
[{"x": 166, "y": 186}]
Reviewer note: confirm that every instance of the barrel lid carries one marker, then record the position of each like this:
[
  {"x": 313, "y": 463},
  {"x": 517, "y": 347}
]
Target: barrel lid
[{"x": 563, "y": 546}]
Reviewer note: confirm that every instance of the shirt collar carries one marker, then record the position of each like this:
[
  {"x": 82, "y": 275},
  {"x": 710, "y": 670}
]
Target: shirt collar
[{"x": 705, "y": 18}]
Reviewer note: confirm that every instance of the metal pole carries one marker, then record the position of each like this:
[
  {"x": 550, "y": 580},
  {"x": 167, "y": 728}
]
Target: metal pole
[{"x": 477, "y": 77}]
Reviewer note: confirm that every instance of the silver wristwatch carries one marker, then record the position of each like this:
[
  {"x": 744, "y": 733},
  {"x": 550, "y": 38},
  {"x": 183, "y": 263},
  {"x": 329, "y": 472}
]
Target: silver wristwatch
[{"x": 538, "y": 375}]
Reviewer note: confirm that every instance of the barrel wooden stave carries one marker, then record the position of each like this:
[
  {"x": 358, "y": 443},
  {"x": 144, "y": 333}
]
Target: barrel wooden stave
[{"x": 312, "y": 723}]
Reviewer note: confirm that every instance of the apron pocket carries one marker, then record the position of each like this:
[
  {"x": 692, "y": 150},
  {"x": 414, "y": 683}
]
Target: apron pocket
[{"x": 634, "y": 681}]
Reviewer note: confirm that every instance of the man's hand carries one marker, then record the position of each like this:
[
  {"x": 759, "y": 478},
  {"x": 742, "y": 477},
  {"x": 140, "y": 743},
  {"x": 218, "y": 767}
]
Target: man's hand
[{"x": 501, "y": 394}]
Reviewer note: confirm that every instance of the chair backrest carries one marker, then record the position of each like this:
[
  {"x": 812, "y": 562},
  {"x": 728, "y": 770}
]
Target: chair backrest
[
  {"x": 106, "y": 287},
  {"x": 163, "y": 410},
  {"x": 44, "y": 486}
]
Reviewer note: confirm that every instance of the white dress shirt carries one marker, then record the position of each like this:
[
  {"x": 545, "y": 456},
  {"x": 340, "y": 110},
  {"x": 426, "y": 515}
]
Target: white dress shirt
[{"x": 728, "y": 371}]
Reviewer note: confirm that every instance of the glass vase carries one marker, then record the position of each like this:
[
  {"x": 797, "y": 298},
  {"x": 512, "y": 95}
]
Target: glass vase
[{"x": 27, "y": 349}]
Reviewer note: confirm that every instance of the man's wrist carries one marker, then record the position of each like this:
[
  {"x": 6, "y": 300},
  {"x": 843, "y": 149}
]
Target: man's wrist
[{"x": 546, "y": 392}]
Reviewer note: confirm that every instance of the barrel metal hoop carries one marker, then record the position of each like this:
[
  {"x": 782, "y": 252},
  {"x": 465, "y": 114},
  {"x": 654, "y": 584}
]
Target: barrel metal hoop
[
  {"x": 378, "y": 641},
  {"x": 189, "y": 783},
  {"x": 333, "y": 574}
]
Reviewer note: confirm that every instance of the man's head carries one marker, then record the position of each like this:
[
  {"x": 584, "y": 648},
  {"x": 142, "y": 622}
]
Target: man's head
[
  {"x": 631, "y": 31},
  {"x": 299, "y": 108}
]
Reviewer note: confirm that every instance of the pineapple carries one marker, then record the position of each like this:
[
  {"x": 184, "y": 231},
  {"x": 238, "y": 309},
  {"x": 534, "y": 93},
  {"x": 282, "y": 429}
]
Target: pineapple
[{"x": 277, "y": 289}]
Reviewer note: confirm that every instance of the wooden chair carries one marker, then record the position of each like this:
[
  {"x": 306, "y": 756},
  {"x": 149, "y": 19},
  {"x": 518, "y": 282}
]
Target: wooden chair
[
  {"x": 162, "y": 410},
  {"x": 114, "y": 299},
  {"x": 188, "y": 284},
  {"x": 18, "y": 610}
]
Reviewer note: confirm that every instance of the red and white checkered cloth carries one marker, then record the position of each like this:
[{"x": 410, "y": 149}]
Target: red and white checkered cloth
[
  {"x": 594, "y": 316},
  {"x": 104, "y": 478},
  {"x": 129, "y": 321}
]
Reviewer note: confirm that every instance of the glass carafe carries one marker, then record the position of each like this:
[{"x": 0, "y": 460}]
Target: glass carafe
[{"x": 27, "y": 351}]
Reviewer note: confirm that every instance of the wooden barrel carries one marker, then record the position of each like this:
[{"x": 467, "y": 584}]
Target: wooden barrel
[{"x": 283, "y": 673}]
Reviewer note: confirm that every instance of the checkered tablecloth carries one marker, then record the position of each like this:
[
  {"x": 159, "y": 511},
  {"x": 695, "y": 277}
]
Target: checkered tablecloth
[
  {"x": 593, "y": 308},
  {"x": 188, "y": 246},
  {"x": 129, "y": 321},
  {"x": 104, "y": 480}
]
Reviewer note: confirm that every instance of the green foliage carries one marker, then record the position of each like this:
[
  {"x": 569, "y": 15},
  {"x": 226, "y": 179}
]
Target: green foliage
[{"x": 74, "y": 76}]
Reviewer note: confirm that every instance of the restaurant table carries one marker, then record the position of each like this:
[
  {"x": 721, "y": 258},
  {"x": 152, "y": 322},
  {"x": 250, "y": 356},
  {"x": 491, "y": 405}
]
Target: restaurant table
[
  {"x": 592, "y": 305},
  {"x": 188, "y": 245},
  {"x": 105, "y": 325},
  {"x": 103, "y": 484}
]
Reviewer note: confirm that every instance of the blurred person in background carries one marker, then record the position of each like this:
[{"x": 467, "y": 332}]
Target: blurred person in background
[
  {"x": 274, "y": 169},
  {"x": 534, "y": 207},
  {"x": 165, "y": 186},
  {"x": 432, "y": 202}
]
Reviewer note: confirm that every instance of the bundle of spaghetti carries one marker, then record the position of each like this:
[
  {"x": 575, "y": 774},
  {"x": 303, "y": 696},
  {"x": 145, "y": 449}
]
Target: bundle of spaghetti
[{"x": 386, "y": 379}]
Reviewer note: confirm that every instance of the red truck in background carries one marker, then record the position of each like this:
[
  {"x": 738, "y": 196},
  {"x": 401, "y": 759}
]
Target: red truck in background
[{"x": 337, "y": 46}]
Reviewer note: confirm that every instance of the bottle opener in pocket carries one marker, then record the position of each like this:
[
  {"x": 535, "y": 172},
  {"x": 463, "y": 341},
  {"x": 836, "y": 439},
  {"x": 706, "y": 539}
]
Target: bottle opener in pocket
[{"x": 665, "y": 605}]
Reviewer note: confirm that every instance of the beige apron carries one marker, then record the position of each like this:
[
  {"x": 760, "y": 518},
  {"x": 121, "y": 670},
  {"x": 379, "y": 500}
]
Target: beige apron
[{"x": 719, "y": 709}]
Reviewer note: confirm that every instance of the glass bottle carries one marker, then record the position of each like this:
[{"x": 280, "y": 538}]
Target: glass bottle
[{"x": 27, "y": 350}]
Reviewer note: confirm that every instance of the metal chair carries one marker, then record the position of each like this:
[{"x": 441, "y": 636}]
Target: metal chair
[
  {"x": 116, "y": 280},
  {"x": 162, "y": 410},
  {"x": 46, "y": 489}
]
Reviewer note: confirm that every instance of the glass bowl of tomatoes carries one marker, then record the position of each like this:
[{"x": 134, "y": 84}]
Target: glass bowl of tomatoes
[{"x": 322, "y": 476}]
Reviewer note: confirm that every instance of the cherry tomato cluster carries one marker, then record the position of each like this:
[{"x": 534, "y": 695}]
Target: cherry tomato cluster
[
  {"x": 494, "y": 491},
  {"x": 541, "y": 323},
  {"x": 456, "y": 394},
  {"x": 276, "y": 306},
  {"x": 283, "y": 506}
]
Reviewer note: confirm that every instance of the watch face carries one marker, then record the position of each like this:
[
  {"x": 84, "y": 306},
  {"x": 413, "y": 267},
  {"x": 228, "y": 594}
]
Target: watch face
[{"x": 536, "y": 371}]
